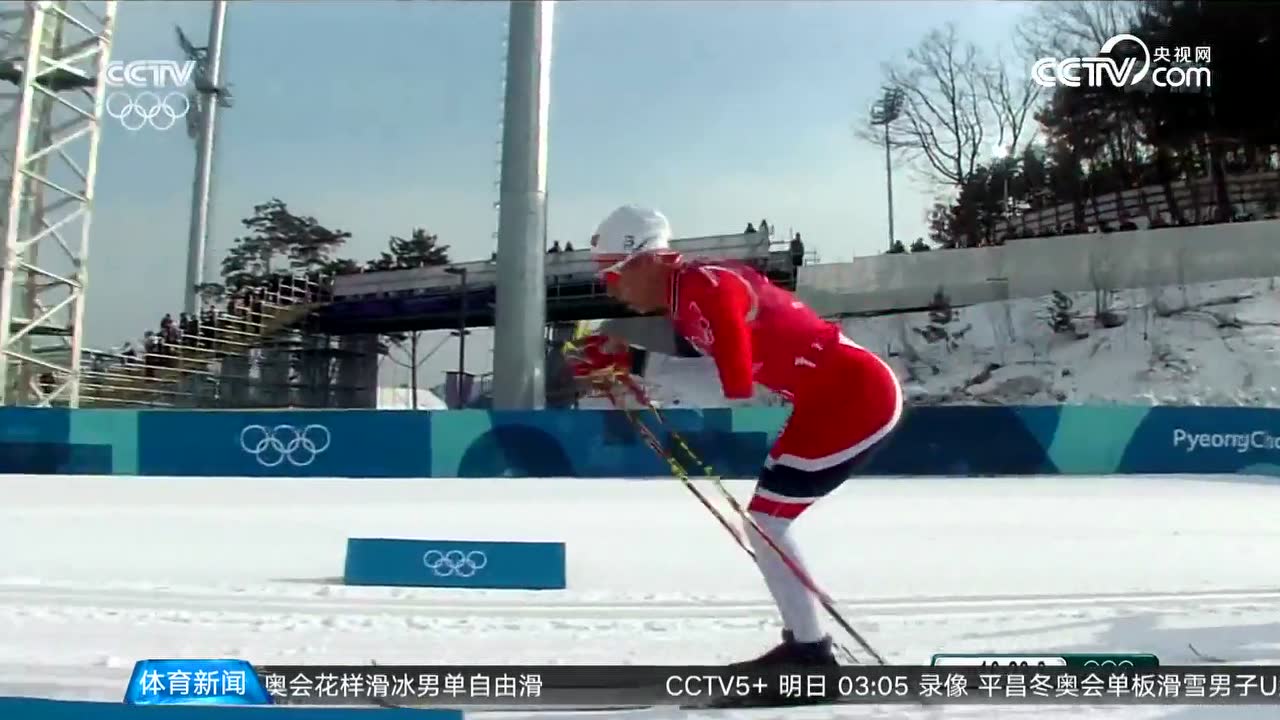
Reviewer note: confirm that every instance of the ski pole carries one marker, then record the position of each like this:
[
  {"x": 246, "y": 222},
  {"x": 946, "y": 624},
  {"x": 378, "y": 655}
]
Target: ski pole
[
  {"x": 805, "y": 579},
  {"x": 614, "y": 378},
  {"x": 683, "y": 476}
]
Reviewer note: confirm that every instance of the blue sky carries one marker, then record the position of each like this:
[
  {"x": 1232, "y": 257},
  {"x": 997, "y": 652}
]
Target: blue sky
[{"x": 382, "y": 115}]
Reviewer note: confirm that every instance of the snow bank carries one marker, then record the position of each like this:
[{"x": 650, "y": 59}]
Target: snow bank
[
  {"x": 401, "y": 398},
  {"x": 1209, "y": 344}
]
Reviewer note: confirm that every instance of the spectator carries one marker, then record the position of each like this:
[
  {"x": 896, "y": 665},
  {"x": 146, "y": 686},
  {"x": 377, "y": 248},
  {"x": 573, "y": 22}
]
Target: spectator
[
  {"x": 162, "y": 352},
  {"x": 276, "y": 294},
  {"x": 190, "y": 331},
  {"x": 555, "y": 247},
  {"x": 568, "y": 247},
  {"x": 151, "y": 345},
  {"x": 797, "y": 251},
  {"x": 255, "y": 305},
  {"x": 750, "y": 229},
  {"x": 764, "y": 227},
  {"x": 209, "y": 328}
]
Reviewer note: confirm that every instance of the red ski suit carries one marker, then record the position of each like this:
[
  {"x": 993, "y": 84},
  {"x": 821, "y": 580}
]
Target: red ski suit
[{"x": 845, "y": 399}]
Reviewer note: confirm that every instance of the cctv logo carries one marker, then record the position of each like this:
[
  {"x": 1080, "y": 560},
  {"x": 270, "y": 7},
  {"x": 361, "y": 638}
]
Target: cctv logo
[
  {"x": 151, "y": 106},
  {"x": 1100, "y": 71},
  {"x": 149, "y": 73}
]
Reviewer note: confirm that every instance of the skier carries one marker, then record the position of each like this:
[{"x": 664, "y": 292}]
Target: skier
[{"x": 845, "y": 399}]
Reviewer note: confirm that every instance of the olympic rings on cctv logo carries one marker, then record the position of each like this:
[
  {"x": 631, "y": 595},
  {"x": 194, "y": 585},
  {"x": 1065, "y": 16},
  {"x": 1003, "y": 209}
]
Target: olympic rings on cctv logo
[
  {"x": 455, "y": 563},
  {"x": 282, "y": 443},
  {"x": 148, "y": 108}
]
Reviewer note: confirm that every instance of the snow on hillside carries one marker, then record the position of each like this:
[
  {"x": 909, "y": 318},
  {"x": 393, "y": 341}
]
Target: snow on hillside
[
  {"x": 401, "y": 398},
  {"x": 1209, "y": 344}
]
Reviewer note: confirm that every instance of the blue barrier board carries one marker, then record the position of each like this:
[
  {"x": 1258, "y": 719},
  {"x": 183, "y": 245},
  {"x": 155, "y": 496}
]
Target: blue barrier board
[
  {"x": 455, "y": 564},
  {"x": 930, "y": 441},
  {"x": 286, "y": 443}
]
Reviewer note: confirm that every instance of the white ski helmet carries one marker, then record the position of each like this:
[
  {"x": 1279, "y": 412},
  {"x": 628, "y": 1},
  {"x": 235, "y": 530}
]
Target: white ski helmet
[{"x": 629, "y": 230}]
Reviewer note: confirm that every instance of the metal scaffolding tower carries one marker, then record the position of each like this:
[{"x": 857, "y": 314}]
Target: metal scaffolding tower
[{"x": 55, "y": 54}]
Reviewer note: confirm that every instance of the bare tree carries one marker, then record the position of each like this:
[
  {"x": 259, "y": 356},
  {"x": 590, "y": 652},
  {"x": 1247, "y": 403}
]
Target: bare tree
[
  {"x": 1012, "y": 99},
  {"x": 421, "y": 249},
  {"x": 402, "y": 349},
  {"x": 1071, "y": 28},
  {"x": 944, "y": 111}
]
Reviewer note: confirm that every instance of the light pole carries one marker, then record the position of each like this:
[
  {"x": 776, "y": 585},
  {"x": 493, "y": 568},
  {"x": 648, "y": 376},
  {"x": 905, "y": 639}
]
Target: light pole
[
  {"x": 886, "y": 110},
  {"x": 461, "y": 272},
  {"x": 203, "y": 103},
  {"x": 520, "y": 306},
  {"x": 1001, "y": 155}
]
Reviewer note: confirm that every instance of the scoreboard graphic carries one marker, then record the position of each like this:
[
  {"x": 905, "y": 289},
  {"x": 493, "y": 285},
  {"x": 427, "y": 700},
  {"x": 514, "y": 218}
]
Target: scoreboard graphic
[{"x": 1107, "y": 661}]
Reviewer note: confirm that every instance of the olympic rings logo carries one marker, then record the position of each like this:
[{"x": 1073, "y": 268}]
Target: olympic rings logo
[
  {"x": 1108, "y": 663},
  {"x": 285, "y": 443},
  {"x": 455, "y": 563},
  {"x": 148, "y": 108}
]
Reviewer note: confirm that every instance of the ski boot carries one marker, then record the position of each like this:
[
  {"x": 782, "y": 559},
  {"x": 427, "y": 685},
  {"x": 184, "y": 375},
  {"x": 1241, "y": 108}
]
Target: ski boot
[
  {"x": 793, "y": 654},
  {"x": 788, "y": 658}
]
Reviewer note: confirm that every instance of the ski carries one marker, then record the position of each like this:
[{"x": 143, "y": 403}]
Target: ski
[{"x": 1201, "y": 656}]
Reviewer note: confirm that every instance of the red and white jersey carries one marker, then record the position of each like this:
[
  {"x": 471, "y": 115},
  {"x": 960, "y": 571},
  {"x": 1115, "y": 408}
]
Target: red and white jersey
[{"x": 754, "y": 330}]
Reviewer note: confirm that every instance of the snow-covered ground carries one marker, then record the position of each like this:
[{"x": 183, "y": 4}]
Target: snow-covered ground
[
  {"x": 1209, "y": 344},
  {"x": 401, "y": 398},
  {"x": 96, "y": 573}
]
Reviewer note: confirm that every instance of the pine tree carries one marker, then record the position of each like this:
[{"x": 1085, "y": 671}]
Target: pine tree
[
  {"x": 1061, "y": 315},
  {"x": 421, "y": 249},
  {"x": 940, "y": 310},
  {"x": 279, "y": 242},
  {"x": 941, "y": 317}
]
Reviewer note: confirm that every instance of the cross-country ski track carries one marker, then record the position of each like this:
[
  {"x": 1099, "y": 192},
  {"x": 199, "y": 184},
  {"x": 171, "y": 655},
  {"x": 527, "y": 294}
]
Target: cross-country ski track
[{"x": 97, "y": 573}]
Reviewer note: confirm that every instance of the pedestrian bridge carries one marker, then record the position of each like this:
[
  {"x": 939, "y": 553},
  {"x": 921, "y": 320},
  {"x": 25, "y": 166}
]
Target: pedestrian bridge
[{"x": 431, "y": 298}]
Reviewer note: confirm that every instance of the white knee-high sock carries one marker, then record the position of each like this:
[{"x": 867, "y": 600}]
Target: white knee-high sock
[{"x": 795, "y": 603}]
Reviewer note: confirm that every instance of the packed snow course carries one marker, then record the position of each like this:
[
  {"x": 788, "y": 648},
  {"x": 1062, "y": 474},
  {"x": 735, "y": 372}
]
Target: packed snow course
[
  {"x": 1206, "y": 344},
  {"x": 99, "y": 572}
]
